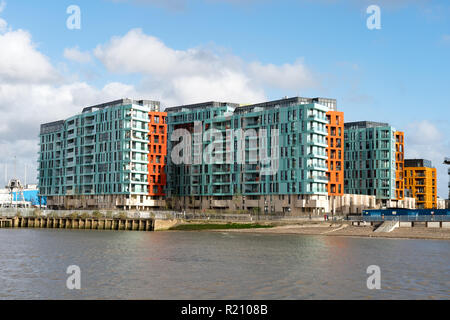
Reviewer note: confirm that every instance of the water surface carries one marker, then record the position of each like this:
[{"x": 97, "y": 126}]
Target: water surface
[{"x": 217, "y": 265}]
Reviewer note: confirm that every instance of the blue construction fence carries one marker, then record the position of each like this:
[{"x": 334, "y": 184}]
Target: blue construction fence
[
  {"x": 406, "y": 215},
  {"x": 31, "y": 196}
]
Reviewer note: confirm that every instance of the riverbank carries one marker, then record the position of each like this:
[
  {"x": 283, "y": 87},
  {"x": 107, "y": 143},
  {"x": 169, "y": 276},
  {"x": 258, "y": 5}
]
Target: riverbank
[
  {"x": 218, "y": 226},
  {"x": 328, "y": 229}
]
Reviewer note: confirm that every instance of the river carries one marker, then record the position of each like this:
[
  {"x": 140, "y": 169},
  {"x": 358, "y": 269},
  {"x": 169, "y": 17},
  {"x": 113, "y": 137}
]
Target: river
[{"x": 217, "y": 265}]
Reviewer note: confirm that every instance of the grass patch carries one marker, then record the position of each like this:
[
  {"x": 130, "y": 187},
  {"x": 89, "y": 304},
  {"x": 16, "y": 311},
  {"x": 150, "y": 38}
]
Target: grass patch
[{"x": 211, "y": 226}]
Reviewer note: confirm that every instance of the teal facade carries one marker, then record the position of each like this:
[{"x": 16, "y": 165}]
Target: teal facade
[
  {"x": 369, "y": 159},
  {"x": 300, "y": 154},
  {"x": 101, "y": 151}
]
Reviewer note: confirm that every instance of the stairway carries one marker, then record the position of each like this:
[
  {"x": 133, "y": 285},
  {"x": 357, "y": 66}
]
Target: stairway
[{"x": 387, "y": 226}]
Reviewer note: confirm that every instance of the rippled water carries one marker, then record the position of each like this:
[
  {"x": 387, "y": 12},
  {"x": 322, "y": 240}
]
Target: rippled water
[{"x": 214, "y": 265}]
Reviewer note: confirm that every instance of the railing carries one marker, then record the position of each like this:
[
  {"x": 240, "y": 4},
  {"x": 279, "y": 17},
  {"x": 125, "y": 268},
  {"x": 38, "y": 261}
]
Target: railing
[{"x": 404, "y": 218}]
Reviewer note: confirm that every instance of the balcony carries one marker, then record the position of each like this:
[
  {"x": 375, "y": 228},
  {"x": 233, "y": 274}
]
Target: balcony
[
  {"x": 252, "y": 122},
  {"x": 420, "y": 174},
  {"x": 251, "y": 203},
  {"x": 318, "y": 178},
  {"x": 221, "y": 169},
  {"x": 315, "y": 117},
  {"x": 219, "y": 203},
  {"x": 222, "y": 190},
  {"x": 222, "y": 180},
  {"x": 317, "y": 154},
  {"x": 317, "y": 167},
  {"x": 252, "y": 167},
  {"x": 249, "y": 188}
]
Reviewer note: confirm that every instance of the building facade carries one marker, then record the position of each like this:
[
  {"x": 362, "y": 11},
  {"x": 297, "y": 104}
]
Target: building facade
[
  {"x": 373, "y": 159},
  {"x": 447, "y": 162},
  {"x": 157, "y": 144},
  {"x": 268, "y": 157},
  {"x": 335, "y": 153},
  {"x": 420, "y": 178},
  {"x": 100, "y": 158}
]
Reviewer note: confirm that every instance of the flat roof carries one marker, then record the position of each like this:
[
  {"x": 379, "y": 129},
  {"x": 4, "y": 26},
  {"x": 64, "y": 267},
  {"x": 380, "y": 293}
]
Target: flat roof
[
  {"x": 202, "y": 105},
  {"x": 122, "y": 102},
  {"x": 418, "y": 163},
  {"x": 365, "y": 124},
  {"x": 51, "y": 126},
  {"x": 331, "y": 103}
]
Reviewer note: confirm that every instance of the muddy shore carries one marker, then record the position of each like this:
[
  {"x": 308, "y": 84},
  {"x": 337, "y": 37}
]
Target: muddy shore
[{"x": 346, "y": 230}]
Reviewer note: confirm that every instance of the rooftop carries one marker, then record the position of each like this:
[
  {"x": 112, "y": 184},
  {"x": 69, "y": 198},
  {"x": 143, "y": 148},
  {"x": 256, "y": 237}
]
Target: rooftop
[
  {"x": 364, "y": 124},
  {"x": 418, "y": 163},
  {"x": 331, "y": 103},
  {"x": 125, "y": 101}
]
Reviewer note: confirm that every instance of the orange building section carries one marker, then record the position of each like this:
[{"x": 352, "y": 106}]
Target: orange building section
[
  {"x": 335, "y": 153},
  {"x": 399, "y": 165},
  {"x": 422, "y": 183},
  {"x": 157, "y": 152}
]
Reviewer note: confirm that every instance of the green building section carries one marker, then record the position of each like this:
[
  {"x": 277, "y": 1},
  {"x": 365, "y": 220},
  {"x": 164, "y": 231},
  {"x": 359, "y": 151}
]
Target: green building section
[
  {"x": 298, "y": 157},
  {"x": 101, "y": 151},
  {"x": 369, "y": 159}
]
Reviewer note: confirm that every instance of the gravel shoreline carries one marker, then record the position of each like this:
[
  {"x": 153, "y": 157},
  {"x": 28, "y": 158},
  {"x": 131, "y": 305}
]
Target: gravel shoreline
[{"x": 345, "y": 230}]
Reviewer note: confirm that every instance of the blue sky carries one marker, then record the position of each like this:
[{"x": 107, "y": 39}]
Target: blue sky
[{"x": 246, "y": 51}]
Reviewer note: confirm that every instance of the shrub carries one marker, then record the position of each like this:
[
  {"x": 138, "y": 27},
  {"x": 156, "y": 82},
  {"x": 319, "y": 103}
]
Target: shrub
[
  {"x": 97, "y": 214},
  {"x": 84, "y": 215},
  {"x": 122, "y": 215}
]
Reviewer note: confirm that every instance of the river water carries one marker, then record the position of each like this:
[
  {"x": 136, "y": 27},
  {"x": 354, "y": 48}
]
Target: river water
[{"x": 217, "y": 265}]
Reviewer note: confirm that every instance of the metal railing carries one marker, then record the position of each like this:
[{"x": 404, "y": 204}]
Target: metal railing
[{"x": 405, "y": 218}]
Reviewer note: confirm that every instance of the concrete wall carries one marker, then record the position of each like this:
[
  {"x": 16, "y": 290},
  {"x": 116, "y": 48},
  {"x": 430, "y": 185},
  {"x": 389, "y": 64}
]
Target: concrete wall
[
  {"x": 441, "y": 204},
  {"x": 165, "y": 224},
  {"x": 433, "y": 224},
  {"x": 295, "y": 205},
  {"x": 26, "y": 212},
  {"x": 106, "y": 202}
]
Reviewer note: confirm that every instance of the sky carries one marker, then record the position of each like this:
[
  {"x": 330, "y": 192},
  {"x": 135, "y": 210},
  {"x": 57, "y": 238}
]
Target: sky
[{"x": 248, "y": 51}]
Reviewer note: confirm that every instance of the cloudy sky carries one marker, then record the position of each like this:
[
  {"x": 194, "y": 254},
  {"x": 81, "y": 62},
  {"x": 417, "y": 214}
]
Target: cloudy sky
[{"x": 181, "y": 51}]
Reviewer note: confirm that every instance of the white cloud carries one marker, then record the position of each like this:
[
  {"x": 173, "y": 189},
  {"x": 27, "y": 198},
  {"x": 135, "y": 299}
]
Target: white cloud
[
  {"x": 423, "y": 140},
  {"x": 33, "y": 92},
  {"x": 74, "y": 54},
  {"x": 423, "y": 133},
  {"x": 21, "y": 62},
  {"x": 198, "y": 74},
  {"x": 446, "y": 39},
  {"x": 174, "y": 5},
  {"x": 287, "y": 76},
  {"x": 3, "y": 25}
]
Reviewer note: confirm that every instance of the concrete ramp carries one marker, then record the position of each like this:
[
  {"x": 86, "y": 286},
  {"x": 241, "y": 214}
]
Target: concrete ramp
[{"x": 387, "y": 226}]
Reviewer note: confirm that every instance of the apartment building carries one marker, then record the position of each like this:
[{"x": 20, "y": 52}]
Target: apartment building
[
  {"x": 335, "y": 153},
  {"x": 268, "y": 157},
  {"x": 157, "y": 139},
  {"x": 420, "y": 178},
  {"x": 373, "y": 157},
  {"x": 100, "y": 157},
  {"x": 447, "y": 162}
]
